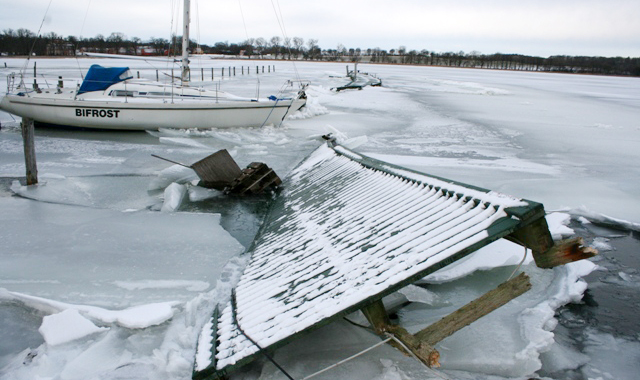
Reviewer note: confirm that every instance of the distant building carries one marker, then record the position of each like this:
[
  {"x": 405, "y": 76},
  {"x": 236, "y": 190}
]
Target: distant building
[
  {"x": 146, "y": 50},
  {"x": 59, "y": 48}
]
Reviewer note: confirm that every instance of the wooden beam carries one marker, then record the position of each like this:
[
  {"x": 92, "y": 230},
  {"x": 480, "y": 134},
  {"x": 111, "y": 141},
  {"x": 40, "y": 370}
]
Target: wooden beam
[
  {"x": 564, "y": 252},
  {"x": 28, "y": 134},
  {"x": 535, "y": 236},
  {"x": 377, "y": 317},
  {"x": 474, "y": 310},
  {"x": 546, "y": 252}
]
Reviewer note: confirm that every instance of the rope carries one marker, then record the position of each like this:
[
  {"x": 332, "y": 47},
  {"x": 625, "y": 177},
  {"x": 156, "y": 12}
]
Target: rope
[
  {"x": 269, "y": 115},
  {"x": 243, "y": 22},
  {"x": 389, "y": 338},
  {"x": 84, "y": 20},
  {"x": 414, "y": 356},
  {"x": 347, "y": 359},
  {"x": 235, "y": 321},
  {"x": 33, "y": 46},
  {"x": 283, "y": 29},
  {"x": 521, "y": 261}
]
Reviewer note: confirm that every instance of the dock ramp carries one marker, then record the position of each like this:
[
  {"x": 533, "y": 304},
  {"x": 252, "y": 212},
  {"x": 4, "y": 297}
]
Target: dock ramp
[{"x": 345, "y": 231}]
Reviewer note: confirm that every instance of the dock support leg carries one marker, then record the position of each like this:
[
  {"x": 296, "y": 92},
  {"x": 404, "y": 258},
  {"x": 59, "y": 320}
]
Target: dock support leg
[
  {"x": 421, "y": 344},
  {"x": 377, "y": 316},
  {"x": 546, "y": 252}
]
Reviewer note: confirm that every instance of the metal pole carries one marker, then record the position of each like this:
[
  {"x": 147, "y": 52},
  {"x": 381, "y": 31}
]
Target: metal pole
[{"x": 185, "y": 42}]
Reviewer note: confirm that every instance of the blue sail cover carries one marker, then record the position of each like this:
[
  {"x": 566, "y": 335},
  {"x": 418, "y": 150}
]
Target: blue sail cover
[{"x": 99, "y": 78}]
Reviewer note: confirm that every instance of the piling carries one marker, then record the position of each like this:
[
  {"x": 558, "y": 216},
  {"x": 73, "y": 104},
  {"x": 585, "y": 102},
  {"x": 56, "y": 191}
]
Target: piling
[{"x": 29, "y": 151}]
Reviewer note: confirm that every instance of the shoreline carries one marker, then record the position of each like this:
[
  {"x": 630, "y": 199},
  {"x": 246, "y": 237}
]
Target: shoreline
[{"x": 397, "y": 64}]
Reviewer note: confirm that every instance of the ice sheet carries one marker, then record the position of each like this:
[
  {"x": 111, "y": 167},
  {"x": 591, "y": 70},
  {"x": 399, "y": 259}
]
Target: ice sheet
[{"x": 88, "y": 235}]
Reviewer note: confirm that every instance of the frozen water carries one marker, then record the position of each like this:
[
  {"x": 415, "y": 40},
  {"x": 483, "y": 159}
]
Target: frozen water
[{"x": 89, "y": 246}]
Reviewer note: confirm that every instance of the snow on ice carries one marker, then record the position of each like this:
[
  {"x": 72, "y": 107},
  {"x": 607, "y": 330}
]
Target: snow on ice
[{"x": 97, "y": 283}]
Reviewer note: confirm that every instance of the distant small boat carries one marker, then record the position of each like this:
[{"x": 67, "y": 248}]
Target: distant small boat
[{"x": 110, "y": 98}]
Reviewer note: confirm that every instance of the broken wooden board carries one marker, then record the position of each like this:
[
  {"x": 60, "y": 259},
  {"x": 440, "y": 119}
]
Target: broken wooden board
[
  {"x": 346, "y": 231},
  {"x": 220, "y": 171},
  {"x": 254, "y": 179},
  {"x": 217, "y": 170}
]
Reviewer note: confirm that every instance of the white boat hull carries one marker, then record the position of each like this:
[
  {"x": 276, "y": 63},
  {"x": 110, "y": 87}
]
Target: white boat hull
[{"x": 148, "y": 115}]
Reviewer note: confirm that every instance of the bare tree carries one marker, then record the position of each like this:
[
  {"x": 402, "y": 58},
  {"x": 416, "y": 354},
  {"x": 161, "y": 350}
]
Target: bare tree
[
  {"x": 298, "y": 43},
  {"x": 261, "y": 45},
  {"x": 275, "y": 45}
]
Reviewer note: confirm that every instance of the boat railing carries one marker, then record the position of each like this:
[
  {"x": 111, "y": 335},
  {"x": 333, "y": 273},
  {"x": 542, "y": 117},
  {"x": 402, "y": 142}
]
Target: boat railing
[{"x": 29, "y": 83}]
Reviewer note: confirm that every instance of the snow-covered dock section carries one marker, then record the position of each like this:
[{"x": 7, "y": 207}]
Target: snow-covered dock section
[{"x": 346, "y": 231}]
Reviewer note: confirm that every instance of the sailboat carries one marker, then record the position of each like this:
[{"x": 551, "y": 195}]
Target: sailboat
[{"x": 110, "y": 98}]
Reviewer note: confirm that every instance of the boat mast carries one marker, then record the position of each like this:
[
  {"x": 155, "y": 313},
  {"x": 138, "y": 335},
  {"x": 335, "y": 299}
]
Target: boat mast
[{"x": 185, "y": 42}]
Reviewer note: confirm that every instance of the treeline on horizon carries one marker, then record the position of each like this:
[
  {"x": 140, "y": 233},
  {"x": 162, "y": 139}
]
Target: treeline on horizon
[{"x": 25, "y": 42}]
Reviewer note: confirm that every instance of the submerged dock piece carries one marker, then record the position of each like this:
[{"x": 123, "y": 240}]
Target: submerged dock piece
[
  {"x": 220, "y": 171},
  {"x": 348, "y": 230},
  {"x": 359, "y": 80}
]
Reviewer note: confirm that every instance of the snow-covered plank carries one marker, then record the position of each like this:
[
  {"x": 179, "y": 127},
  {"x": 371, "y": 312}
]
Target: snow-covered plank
[{"x": 346, "y": 231}]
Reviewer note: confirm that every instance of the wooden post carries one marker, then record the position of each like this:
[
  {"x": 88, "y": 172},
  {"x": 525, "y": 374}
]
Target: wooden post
[
  {"x": 212, "y": 73},
  {"x": 377, "y": 317},
  {"x": 29, "y": 151},
  {"x": 564, "y": 252},
  {"x": 234, "y": 71},
  {"x": 223, "y": 71},
  {"x": 547, "y": 253},
  {"x": 157, "y": 76},
  {"x": 202, "y": 74},
  {"x": 421, "y": 344},
  {"x": 257, "y": 70},
  {"x": 242, "y": 70},
  {"x": 475, "y": 310}
]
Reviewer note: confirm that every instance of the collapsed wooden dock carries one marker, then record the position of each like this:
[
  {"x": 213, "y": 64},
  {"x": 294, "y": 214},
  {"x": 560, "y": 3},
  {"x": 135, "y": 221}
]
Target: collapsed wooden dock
[{"x": 348, "y": 230}]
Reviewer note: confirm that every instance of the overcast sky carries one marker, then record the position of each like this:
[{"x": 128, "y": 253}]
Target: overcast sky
[{"x": 534, "y": 27}]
